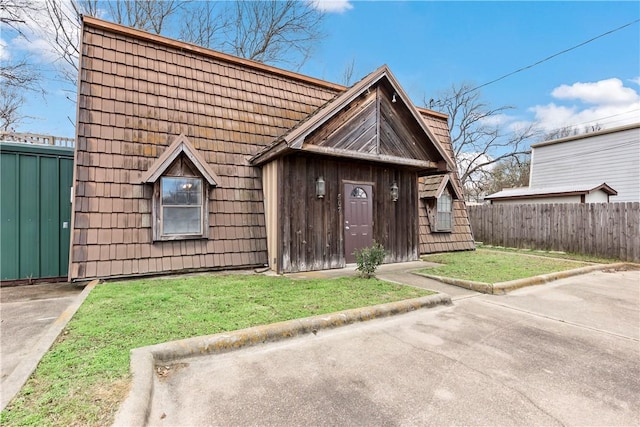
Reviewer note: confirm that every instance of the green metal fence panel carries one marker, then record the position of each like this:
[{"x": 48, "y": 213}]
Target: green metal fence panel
[
  {"x": 66, "y": 181},
  {"x": 8, "y": 216},
  {"x": 35, "y": 211},
  {"x": 49, "y": 217},
  {"x": 28, "y": 211}
]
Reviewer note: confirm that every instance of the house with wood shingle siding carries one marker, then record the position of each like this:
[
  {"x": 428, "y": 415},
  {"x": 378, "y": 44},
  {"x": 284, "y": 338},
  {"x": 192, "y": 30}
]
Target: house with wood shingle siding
[{"x": 188, "y": 159}]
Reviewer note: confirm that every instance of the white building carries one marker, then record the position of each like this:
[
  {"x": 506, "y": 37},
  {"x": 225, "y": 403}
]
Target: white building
[{"x": 594, "y": 167}]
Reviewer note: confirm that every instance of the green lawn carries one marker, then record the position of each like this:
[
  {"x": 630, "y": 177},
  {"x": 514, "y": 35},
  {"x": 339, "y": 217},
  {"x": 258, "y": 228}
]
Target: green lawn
[
  {"x": 84, "y": 376},
  {"x": 494, "y": 267},
  {"x": 551, "y": 254}
]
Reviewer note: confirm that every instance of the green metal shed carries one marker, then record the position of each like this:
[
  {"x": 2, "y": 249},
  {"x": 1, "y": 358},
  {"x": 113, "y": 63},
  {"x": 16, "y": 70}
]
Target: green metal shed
[{"x": 35, "y": 210}]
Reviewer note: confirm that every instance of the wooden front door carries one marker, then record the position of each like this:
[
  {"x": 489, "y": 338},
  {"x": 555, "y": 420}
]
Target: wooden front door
[{"x": 358, "y": 219}]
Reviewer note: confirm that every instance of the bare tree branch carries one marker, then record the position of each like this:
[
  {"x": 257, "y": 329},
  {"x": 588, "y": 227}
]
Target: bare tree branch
[
  {"x": 478, "y": 141},
  {"x": 271, "y": 31},
  {"x": 13, "y": 14},
  {"x": 347, "y": 73},
  {"x": 11, "y": 102},
  {"x": 205, "y": 24}
]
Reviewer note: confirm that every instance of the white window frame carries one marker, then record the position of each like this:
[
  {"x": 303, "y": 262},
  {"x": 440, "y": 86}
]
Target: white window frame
[
  {"x": 158, "y": 211},
  {"x": 444, "y": 208}
]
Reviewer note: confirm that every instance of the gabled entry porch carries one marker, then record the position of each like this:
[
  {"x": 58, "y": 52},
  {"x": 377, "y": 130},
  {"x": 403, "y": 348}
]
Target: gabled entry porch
[{"x": 346, "y": 176}]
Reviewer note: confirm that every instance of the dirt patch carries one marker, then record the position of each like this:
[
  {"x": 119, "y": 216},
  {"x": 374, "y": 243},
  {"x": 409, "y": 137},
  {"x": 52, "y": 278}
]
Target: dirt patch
[{"x": 163, "y": 371}]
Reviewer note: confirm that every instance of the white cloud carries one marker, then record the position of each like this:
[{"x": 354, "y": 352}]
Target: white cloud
[
  {"x": 332, "y": 6},
  {"x": 4, "y": 52},
  {"x": 603, "y": 92},
  {"x": 635, "y": 80},
  {"x": 610, "y": 104},
  {"x": 37, "y": 47},
  {"x": 496, "y": 120}
]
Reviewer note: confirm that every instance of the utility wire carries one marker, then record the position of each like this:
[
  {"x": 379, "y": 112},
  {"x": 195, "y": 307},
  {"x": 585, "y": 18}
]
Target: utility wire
[{"x": 552, "y": 56}]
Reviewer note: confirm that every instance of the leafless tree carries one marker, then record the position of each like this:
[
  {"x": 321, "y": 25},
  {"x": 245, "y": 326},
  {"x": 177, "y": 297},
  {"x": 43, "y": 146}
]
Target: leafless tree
[
  {"x": 267, "y": 31},
  {"x": 273, "y": 31},
  {"x": 11, "y": 102},
  {"x": 59, "y": 26},
  {"x": 347, "y": 73},
  {"x": 17, "y": 75},
  {"x": 20, "y": 74},
  {"x": 205, "y": 24},
  {"x": 478, "y": 140},
  {"x": 147, "y": 15},
  {"x": 13, "y": 13},
  {"x": 509, "y": 173}
]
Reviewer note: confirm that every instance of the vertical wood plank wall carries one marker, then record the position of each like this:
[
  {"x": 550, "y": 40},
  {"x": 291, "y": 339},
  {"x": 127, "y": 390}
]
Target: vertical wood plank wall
[
  {"x": 610, "y": 230},
  {"x": 312, "y": 228},
  {"x": 271, "y": 190}
]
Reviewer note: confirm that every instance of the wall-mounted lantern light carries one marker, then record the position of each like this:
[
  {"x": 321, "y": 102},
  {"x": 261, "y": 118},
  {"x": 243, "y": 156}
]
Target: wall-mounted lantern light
[
  {"x": 320, "y": 188},
  {"x": 394, "y": 191}
]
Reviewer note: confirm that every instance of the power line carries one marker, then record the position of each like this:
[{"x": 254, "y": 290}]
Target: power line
[
  {"x": 600, "y": 121},
  {"x": 552, "y": 56}
]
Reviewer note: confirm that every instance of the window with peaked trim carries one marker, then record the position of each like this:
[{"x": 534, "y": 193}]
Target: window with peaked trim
[
  {"x": 181, "y": 180},
  {"x": 444, "y": 212},
  {"x": 180, "y": 203}
]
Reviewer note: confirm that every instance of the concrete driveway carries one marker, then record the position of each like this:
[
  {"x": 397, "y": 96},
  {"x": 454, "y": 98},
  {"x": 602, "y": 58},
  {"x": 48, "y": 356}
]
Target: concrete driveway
[
  {"x": 27, "y": 313},
  {"x": 565, "y": 353}
]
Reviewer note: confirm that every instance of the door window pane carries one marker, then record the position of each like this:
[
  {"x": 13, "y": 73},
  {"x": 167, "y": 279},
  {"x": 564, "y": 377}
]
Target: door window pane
[{"x": 359, "y": 193}]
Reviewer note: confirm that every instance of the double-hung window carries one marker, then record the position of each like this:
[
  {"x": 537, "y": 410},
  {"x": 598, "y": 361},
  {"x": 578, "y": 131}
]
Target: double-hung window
[{"x": 181, "y": 207}]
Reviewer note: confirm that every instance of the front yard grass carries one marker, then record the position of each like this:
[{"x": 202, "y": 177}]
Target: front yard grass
[
  {"x": 85, "y": 375},
  {"x": 551, "y": 254},
  {"x": 493, "y": 266}
]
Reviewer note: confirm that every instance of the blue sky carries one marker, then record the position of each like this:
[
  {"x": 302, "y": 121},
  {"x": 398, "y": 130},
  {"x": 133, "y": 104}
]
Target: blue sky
[{"x": 431, "y": 45}]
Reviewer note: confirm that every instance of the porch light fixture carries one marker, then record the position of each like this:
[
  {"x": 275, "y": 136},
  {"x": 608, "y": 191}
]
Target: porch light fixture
[
  {"x": 394, "y": 191},
  {"x": 320, "y": 188},
  {"x": 394, "y": 98}
]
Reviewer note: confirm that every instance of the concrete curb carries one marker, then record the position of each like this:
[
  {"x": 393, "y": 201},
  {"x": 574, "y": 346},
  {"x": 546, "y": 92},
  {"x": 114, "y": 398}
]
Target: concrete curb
[
  {"x": 502, "y": 288},
  {"x": 136, "y": 408},
  {"x": 19, "y": 376}
]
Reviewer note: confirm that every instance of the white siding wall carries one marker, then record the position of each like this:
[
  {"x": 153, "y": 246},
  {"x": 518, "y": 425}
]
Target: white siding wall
[
  {"x": 538, "y": 201},
  {"x": 613, "y": 158},
  {"x": 596, "y": 197}
]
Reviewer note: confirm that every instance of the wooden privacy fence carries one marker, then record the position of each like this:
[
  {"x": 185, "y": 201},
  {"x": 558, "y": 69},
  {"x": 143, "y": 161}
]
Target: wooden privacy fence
[{"x": 610, "y": 230}]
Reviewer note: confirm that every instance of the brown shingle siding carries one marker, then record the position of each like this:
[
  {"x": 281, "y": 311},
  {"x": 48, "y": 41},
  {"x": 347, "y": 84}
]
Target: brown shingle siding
[
  {"x": 137, "y": 93},
  {"x": 460, "y": 237}
]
